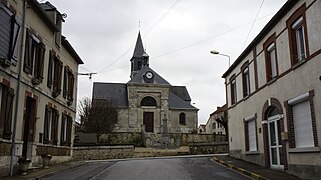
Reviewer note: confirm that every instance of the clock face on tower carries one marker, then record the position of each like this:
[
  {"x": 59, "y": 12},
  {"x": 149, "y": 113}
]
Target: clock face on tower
[{"x": 149, "y": 75}]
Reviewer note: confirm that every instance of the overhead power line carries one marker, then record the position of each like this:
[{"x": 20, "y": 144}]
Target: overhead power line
[
  {"x": 155, "y": 24},
  {"x": 257, "y": 14}
]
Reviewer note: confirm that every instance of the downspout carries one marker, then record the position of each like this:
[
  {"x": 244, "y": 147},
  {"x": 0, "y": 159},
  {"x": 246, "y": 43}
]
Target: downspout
[{"x": 13, "y": 146}]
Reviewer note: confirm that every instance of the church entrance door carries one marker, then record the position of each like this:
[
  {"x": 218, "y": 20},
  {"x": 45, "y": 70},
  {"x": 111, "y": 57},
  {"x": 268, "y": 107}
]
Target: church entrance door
[{"x": 149, "y": 121}]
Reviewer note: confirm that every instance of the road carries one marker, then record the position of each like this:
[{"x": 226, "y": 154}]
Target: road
[{"x": 185, "y": 168}]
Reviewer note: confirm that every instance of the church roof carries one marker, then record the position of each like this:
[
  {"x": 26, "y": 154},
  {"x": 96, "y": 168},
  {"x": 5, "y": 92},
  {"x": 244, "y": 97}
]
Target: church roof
[
  {"x": 181, "y": 92},
  {"x": 139, "y": 77},
  {"x": 111, "y": 91},
  {"x": 176, "y": 102},
  {"x": 139, "y": 48}
]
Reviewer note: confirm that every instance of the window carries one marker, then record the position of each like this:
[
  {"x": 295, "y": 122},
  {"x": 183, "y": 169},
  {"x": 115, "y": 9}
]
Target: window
[
  {"x": 66, "y": 127},
  {"x": 233, "y": 89},
  {"x": 6, "y": 104},
  {"x": 51, "y": 126},
  {"x": 54, "y": 73},
  {"x": 34, "y": 57},
  {"x": 250, "y": 134},
  {"x": 302, "y": 124},
  {"x": 246, "y": 79},
  {"x": 296, "y": 25},
  {"x": 303, "y": 132},
  {"x": 271, "y": 65},
  {"x": 9, "y": 36},
  {"x": 182, "y": 119},
  {"x": 213, "y": 126},
  {"x": 148, "y": 101},
  {"x": 68, "y": 88}
]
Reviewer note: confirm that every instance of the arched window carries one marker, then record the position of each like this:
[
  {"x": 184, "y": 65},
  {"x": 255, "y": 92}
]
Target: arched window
[
  {"x": 148, "y": 101},
  {"x": 182, "y": 119}
]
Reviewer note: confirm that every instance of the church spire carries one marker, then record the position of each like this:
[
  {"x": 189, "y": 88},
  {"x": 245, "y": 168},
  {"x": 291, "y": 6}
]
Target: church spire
[
  {"x": 140, "y": 57},
  {"x": 139, "y": 48}
]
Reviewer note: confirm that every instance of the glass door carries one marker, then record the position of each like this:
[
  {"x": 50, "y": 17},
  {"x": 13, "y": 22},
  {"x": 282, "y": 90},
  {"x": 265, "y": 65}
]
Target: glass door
[{"x": 275, "y": 143}]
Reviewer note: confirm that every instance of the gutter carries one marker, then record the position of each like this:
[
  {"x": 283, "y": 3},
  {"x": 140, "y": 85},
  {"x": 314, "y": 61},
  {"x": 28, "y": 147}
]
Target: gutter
[{"x": 13, "y": 146}]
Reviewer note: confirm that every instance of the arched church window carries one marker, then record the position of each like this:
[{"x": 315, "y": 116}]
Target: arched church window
[
  {"x": 182, "y": 119},
  {"x": 148, "y": 101}
]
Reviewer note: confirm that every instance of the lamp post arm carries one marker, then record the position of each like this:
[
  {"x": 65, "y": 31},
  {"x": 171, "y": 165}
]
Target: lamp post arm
[{"x": 229, "y": 58}]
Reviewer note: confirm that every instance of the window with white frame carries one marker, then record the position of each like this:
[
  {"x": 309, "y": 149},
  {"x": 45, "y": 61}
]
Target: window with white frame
[
  {"x": 272, "y": 72},
  {"x": 299, "y": 40},
  {"x": 301, "y": 121},
  {"x": 302, "y": 124},
  {"x": 250, "y": 133}
]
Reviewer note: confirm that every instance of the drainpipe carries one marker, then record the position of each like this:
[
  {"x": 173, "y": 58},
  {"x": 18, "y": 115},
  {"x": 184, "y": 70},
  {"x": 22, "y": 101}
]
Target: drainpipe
[{"x": 13, "y": 146}]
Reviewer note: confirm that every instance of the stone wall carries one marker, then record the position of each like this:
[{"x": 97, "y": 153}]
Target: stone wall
[
  {"x": 136, "y": 139},
  {"x": 103, "y": 152},
  {"x": 208, "y": 148}
]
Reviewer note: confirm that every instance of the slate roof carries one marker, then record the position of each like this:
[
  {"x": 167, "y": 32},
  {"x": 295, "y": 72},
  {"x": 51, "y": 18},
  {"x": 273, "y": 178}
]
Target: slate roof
[
  {"x": 181, "y": 92},
  {"x": 139, "y": 48},
  {"x": 111, "y": 91},
  {"x": 177, "y": 103},
  {"x": 139, "y": 77}
]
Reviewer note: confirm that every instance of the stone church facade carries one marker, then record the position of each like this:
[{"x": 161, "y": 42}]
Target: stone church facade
[{"x": 148, "y": 103}]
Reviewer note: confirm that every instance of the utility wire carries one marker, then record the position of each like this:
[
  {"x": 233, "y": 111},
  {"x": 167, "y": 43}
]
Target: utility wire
[
  {"x": 156, "y": 23},
  {"x": 197, "y": 42},
  {"x": 252, "y": 24}
]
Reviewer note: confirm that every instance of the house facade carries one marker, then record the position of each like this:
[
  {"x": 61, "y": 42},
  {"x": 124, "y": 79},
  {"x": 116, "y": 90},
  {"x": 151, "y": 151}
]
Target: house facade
[
  {"x": 274, "y": 93},
  {"x": 213, "y": 124},
  {"x": 38, "y": 84},
  {"x": 147, "y": 102}
]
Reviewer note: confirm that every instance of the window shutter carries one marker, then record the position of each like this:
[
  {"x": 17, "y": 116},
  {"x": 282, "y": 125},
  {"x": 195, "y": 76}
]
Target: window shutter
[
  {"x": 69, "y": 130},
  {"x": 59, "y": 71},
  {"x": 46, "y": 126},
  {"x": 65, "y": 82},
  {"x": 8, "y": 114},
  {"x": 54, "y": 130},
  {"x": 41, "y": 57},
  {"x": 5, "y": 29},
  {"x": 62, "y": 133},
  {"x": 71, "y": 87},
  {"x": 15, "y": 39},
  {"x": 3, "y": 107},
  {"x": 28, "y": 54},
  {"x": 303, "y": 132},
  {"x": 50, "y": 66}
]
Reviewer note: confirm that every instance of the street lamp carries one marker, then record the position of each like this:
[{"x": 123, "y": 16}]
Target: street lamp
[{"x": 216, "y": 52}]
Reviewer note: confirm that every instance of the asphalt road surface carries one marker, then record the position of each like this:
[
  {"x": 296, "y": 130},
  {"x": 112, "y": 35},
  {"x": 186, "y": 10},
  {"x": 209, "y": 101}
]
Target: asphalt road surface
[{"x": 185, "y": 168}]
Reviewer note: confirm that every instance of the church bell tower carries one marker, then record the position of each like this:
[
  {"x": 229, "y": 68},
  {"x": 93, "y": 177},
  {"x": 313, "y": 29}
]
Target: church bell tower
[{"x": 140, "y": 57}]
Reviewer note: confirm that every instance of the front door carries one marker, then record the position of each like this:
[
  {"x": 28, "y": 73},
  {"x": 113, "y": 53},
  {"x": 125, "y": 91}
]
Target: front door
[
  {"x": 275, "y": 143},
  {"x": 149, "y": 121},
  {"x": 29, "y": 121}
]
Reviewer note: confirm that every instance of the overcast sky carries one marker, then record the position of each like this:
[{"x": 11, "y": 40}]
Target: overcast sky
[{"x": 177, "y": 34}]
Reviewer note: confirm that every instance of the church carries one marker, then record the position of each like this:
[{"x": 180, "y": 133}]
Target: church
[{"x": 147, "y": 102}]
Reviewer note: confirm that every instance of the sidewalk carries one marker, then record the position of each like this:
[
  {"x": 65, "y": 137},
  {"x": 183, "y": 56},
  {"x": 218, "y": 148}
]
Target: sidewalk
[
  {"x": 255, "y": 171},
  {"x": 35, "y": 173}
]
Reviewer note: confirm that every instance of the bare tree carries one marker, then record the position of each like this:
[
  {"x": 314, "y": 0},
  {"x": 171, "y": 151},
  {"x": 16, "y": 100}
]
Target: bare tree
[
  {"x": 223, "y": 120},
  {"x": 97, "y": 116}
]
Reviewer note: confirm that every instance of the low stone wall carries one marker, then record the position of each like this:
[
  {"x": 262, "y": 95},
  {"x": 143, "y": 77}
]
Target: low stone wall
[
  {"x": 208, "y": 148},
  {"x": 103, "y": 152},
  {"x": 136, "y": 139}
]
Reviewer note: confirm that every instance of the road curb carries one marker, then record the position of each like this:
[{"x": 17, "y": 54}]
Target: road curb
[{"x": 240, "y": 170}]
